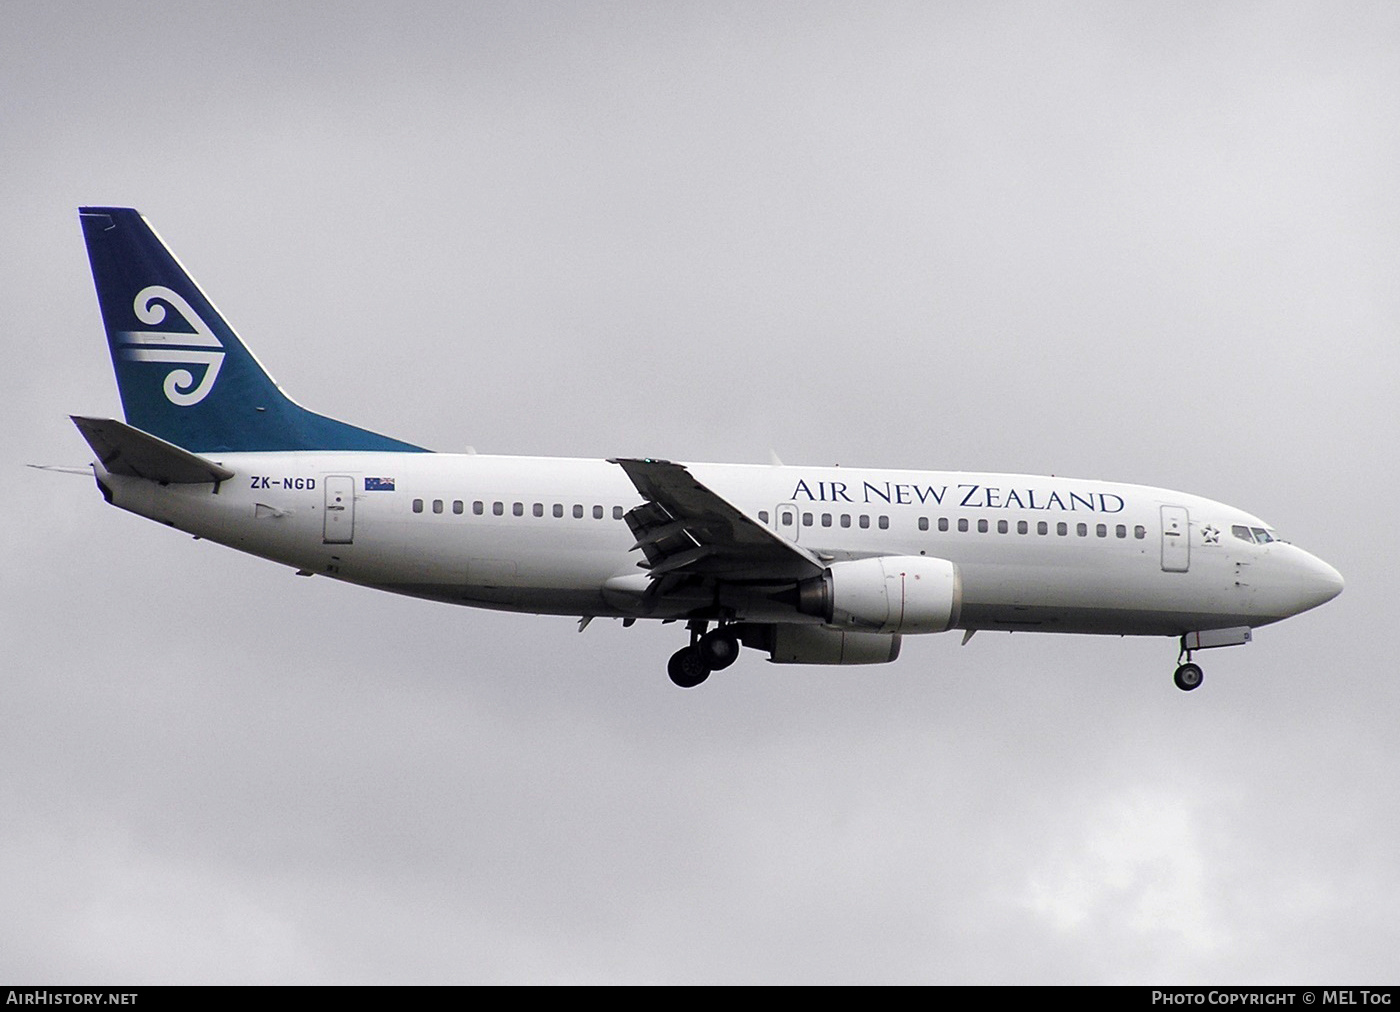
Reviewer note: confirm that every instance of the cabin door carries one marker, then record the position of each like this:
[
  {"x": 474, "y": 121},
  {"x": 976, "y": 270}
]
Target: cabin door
[
  {"x": 340, "y": 510},
  {"x": 1176, "y": 539}
]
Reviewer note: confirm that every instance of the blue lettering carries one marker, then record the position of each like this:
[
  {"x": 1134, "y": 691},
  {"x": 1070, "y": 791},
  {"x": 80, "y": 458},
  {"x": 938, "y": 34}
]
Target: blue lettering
[
  {"x": 905, "y": 494},
  {"x": 885, "y": 495}
]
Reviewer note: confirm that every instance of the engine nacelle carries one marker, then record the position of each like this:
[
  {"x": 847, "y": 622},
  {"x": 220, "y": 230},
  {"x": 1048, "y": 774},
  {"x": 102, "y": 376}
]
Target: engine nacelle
[
  {"x": 886, "y": 594},
  {"x": 815, "y": 644}
]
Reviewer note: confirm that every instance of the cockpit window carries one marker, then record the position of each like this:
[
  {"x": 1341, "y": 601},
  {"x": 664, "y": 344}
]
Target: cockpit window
[{"x": 1257, "y": 535}]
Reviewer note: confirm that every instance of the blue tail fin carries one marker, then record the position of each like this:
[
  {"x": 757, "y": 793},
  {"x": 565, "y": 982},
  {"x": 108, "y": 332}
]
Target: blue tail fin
[{"x": 183, "y": 374}]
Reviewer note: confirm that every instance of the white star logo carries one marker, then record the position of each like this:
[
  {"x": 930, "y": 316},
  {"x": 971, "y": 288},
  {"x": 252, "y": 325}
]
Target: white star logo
[{"x": 1210, "y": 534}]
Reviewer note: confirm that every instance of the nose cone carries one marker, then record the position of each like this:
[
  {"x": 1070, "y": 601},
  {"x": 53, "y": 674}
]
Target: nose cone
[{"x": 1313, "y": 582}]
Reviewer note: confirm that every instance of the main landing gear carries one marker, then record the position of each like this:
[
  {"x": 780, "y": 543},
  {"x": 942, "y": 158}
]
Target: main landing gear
[
  {"x": 1188, "y": 675},
  {"x": 707, "y": 652}
]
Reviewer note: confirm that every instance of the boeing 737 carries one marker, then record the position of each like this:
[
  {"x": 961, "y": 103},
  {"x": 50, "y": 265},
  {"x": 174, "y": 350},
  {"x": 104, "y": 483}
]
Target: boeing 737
[{"x": 811, "y": 565}]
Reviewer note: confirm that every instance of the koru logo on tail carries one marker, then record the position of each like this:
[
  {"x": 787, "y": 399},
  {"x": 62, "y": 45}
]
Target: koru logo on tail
[{"x": 201, "y": 348}]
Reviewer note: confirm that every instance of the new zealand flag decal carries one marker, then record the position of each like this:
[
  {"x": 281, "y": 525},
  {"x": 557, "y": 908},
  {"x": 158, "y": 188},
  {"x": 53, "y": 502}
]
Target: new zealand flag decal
[{"x": 379, "y": 484}]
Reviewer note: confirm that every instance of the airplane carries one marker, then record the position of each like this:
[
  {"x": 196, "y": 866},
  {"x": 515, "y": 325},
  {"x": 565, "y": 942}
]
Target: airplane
[{"x": 811, "y": 565}]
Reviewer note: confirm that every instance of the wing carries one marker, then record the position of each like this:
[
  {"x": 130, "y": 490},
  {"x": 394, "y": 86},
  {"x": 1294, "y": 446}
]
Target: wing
[{"x": 686, "y": 529}]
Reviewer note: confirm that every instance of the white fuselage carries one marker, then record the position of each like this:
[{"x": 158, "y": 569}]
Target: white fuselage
[{"x": 546, "y": 535}]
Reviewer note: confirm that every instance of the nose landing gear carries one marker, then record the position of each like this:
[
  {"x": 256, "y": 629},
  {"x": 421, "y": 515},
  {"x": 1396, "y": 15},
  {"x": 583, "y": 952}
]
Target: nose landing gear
[{"x": 1188, "y": 675}]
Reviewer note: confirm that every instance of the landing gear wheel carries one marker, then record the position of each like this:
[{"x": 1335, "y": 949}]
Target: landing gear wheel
[
  {"x": 1188, "y": 677},
  {"x": 687, "y": 668},
  {"x": 718, "y": 649}
]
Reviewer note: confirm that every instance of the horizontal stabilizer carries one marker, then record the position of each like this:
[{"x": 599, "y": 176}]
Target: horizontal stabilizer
[
  {"x": 125, "y": 450},
  {"x": 85, "y": 470}
]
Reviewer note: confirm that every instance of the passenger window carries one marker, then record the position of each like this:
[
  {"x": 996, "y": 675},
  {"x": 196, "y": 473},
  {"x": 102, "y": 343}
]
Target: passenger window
[
  {"x": 597, "y": 513},
  {"x": 1022, "y": 527},
  {"x": 578, "y": 512},
  {"x": 1139, "y": 532},
  {"x": 962, "y": 525},
  {"x": 806, "y": 520},
  {"x": 518, "y": 509},
  {"x": 437, "y": 505},
  {"x": 864, "y": 521},
  {"x": 498, "y": 508},
  {"x": 1002, "y": 527},
  {"x": 1062, "y": 528},
  {"x": 1042, "y": 528},
  {"x": 942, "y": 523},
  {"x": 1121, "y": 531},
  {"x": 558, "y": 509},
  {"x": 923, "y": 523},
  {"x": 618, "y": 512},
  {"x": 418, "y": 505},
  {"x": 478, "y": 507},
  {"x": 982, "y": 527},
  {"x": 763, "y": 516},
  {"x": 1101, "y": 530},
  {"x": 1082, "y": 530},
  {"x": 537, "y": 509},
  {"x": 884, "y": 523},
  {"x": 457, "y": 506},
  {"x": 826, "y": 519},
  {"x": 845, "y": 520}
]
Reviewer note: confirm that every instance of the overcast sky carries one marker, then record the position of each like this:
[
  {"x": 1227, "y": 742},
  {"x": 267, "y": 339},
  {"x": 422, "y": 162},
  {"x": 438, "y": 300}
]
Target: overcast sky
[{"x": 1150, "y": 242}]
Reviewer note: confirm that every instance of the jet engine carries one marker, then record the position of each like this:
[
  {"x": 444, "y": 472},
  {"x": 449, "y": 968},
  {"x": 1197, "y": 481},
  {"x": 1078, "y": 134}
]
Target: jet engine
[{"x": 885, "y": 594}]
